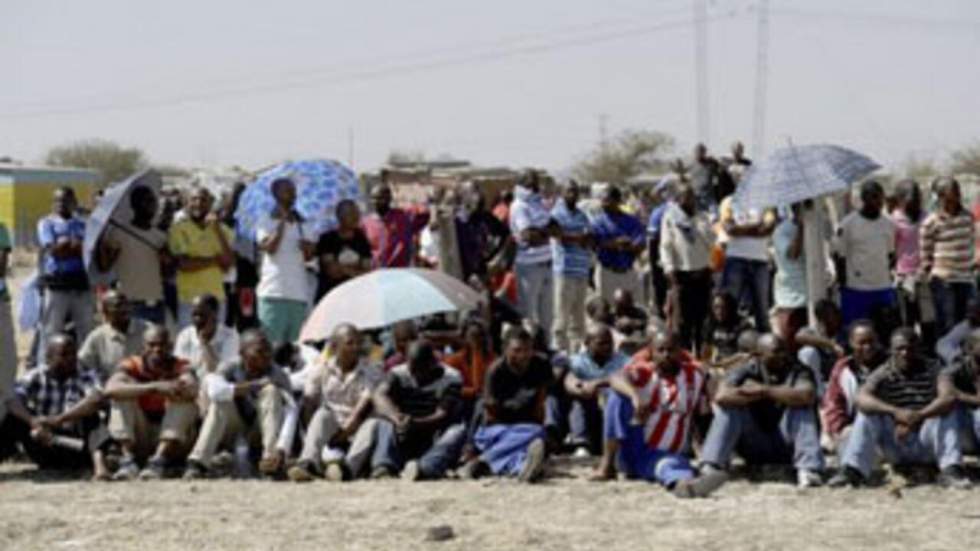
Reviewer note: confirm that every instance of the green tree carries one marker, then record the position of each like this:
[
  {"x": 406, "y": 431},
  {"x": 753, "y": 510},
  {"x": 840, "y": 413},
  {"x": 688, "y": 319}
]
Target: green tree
[
  {"x": 630, "y": 153},
  {"x": 113, "y": 161}
]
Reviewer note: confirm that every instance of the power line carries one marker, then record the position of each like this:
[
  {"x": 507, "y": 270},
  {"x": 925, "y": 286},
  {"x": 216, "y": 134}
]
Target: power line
[{"x": 878, "y": 18}]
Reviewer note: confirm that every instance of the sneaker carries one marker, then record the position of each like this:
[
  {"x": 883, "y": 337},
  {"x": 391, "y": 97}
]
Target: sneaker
[
  {"x": 270, "y": 467},
  {"x": 848, "y": 476},
  {"x": 154, "y": 469},
  {"x": 534, "y": 462},
  {"x": 472, "y": 469},
  {"x": 195, "y": 470},
  {"x": 806, "y": 478},
  {"x": 703, "y": 485},
  {"x": 581, "y": 452},
  {"x": 128, "y": 469},
  {"x": 381, "y": 473},
  {"x": 300, "y": 472},
  {"x": 954, "y": 477},
  {"x": 412, "y": 472},
  {"x": 334, "y": 473}
]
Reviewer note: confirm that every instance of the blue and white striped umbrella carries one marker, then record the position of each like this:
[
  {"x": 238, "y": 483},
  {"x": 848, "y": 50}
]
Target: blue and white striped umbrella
[
  {"x": 320, "y": 185},
  {"x": 797, "y": 173}
]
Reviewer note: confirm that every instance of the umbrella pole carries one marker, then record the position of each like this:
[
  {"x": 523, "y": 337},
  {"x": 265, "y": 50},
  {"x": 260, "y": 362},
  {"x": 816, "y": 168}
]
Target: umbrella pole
[{"x": 816, "y": 268}]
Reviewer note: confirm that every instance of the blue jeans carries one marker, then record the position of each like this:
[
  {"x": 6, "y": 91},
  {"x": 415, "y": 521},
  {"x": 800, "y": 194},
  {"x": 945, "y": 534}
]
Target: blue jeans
[
  {"x": 856, "y": 304},
  {"x": 504, "y": 447},
  {"x": 936, "y": 442},
  {"x": 795, "y": 440},
  {"x": 435, "y": 453},
  {"x": 968, "y": 424},
  {"x": 748, "y": 282},
  {"x": 950, "y": 299},
  {"x": 582, "y": 418},
  {"x": 636, "y": 459}
]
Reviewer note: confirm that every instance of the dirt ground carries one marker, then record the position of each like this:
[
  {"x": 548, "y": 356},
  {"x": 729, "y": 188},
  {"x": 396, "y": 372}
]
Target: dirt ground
[{"x": 564, "y": 513}]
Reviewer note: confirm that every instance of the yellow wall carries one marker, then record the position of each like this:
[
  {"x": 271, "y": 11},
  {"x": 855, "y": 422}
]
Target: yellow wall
[{"x": 23, "y": 204}]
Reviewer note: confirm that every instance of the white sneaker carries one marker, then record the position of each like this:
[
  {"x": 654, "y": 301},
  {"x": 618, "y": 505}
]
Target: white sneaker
[
  {"x": 581, "y": 452},
  {"x": 808, "y": 479}
]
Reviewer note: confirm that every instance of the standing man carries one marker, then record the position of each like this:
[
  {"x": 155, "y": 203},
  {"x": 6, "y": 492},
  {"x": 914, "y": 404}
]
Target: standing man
[
  {"x": 344, "y": 253},
  {"x": 287, "y": 243},
  {"x": 200, "y": 245},
  {"x": 392, "y": 231},
  {"x": 864, "y": 249},
  {"x": 572, "y": 260},
  {"x": 66, "y": 289},
  {"x": 119, "y": 337},
  {"x": 947, "y": 240},
  {"x": 530, "y": 224},
  {"x": 902, "y": 416},
  {"x": 710, "y": 181},
  {"x": 619, "y": 239},
  {"x": 685, "y": 247},
  {"x": 8, "y": 346},
  {"x": 663, "y": 196},
  {"x": 480, "y": 235},
  {"x": 766, "y": 410},
  {"x": 746, "y": 275},
  {"x": 153, "y": 411},
  {"x": 137, "y": 253},
  {"x": 245, "y": 399},
  {"x": 419, "y": 432}
]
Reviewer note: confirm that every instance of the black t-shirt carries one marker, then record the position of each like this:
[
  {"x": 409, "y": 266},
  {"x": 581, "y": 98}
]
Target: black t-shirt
[
  {"x": 346, "y": 251},
  {"x": 518, "y": 398},
  {"x": 963, "y": 374},
  {"x": 421, "y": 401},
  {"x": 768, "y": 413}
]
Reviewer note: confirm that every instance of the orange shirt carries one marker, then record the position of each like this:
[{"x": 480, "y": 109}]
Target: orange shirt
[
  {"x": 153, "y": 402},
  {"x": 473, "y": 367}
]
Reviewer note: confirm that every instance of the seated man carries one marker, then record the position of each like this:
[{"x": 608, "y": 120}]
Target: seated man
[
  {"x": 629, "y": 317},
  {"x": 53, "y": 413},
  {"x": 153, "y": 410},
  {"x": 246, "y": 399},
  {"x": 403, "y": 334},
  {"x": 649, "y": 420},
  {"x": 959, "y": 384},
  {"x": 838, "y": 408},
  {"x": 901, "y": 415},
  {"x": 511, "y": 441},
  {"x": 589, "y": 373},
  {"x": 340, "y": 393},
  {"x": 418, "y": 406},
  {"x": 766, "y": 410},
  {"x": 117, "y": 338},
  {"x": 206, "y": 343},
  {"x": 950, "y": 345}
]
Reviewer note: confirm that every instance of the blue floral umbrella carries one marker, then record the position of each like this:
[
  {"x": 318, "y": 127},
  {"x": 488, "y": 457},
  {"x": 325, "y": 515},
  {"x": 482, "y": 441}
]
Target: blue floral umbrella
[{"x": 320, "y": 185}]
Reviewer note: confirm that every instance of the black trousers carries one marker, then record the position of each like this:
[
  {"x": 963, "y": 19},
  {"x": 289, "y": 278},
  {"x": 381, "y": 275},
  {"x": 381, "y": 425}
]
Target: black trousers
[{"x": 14, "y": 431}]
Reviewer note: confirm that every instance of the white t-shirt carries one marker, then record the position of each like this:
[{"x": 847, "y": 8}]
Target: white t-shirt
[
  {"x": 283, "y": 274},
  {"x": 751, "y": 248},
  {"x": 865, "y": 245}
]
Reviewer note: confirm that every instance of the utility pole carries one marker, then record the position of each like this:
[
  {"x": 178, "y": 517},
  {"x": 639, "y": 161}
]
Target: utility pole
[
  {"x": 761, "y": 79},
  {"x": 701, "y": 69}
]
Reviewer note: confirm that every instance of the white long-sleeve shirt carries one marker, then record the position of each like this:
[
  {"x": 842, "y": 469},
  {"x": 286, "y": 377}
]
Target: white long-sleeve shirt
[{"x": 685, "y": 241}]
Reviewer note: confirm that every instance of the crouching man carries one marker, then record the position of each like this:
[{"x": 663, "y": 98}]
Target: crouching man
[
  {"x": 766, "y": 411},
  {"x": 419, "y": 432},
  {"x": 901, "y": 414},
  {"x": 246, "y": 399},
  {"x": 341, "y": 395},
  {"x": 53, "y": 413},
  {"x": 153, "y": 408}
]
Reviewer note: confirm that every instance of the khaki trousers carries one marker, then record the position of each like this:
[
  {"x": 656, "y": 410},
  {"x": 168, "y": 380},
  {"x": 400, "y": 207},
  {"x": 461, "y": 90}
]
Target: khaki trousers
[
  {"x": 569, "y": 325},
  {"x": 223, "y": 424},
  {"x": 607, "y": 281},
  {"x": 322, "y": 429},
  {"x": 8, "y": 351},
  {"x": 127, "y": 421}
]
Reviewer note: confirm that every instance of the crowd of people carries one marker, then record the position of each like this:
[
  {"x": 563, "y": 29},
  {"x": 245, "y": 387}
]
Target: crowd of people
[{"x": 661, "y": 332}]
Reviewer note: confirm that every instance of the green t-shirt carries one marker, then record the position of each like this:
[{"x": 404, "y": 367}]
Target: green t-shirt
[{"x": 4, "y": 246}]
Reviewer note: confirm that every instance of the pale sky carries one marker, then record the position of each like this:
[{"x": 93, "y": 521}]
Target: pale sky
[{"x": 509, "y": 82}]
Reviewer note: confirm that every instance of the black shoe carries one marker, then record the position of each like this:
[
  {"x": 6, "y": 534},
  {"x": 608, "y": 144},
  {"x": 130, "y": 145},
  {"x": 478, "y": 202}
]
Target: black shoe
[
  {"x": 848, "y": 476},
  {"x": 954, "y": 477},
  {"x": 155, "y": 469},
  {"x": 195, "y": 470}
]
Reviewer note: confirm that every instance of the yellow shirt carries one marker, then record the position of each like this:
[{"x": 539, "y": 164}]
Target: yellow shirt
[{"x": 188, "y": 239}]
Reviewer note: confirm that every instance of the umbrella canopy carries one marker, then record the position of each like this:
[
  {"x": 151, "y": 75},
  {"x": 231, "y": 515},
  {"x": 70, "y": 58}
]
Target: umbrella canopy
[
  {"x": 387, "y": 296},
  {"x": 797, "y": 173},
  {"x": 113, "y": 209},
  {"x": 320, "y": 185}
]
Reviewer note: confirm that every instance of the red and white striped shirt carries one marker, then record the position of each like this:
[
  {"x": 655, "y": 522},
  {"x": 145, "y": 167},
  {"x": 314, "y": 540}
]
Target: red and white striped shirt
[{"x": 673, "y": 401}]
